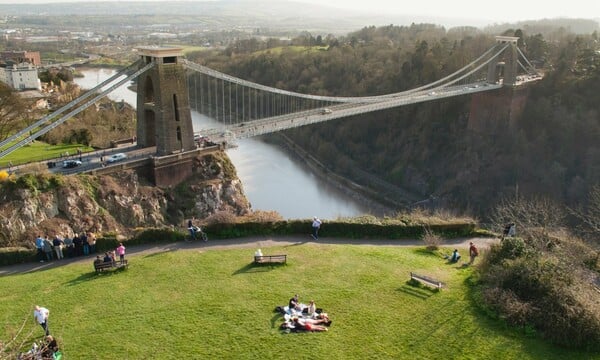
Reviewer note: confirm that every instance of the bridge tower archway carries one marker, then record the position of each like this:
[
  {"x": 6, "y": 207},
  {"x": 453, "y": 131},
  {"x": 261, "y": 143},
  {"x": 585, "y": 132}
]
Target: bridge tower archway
[
  {"x": 164, "y": 119},
  {"x": 504, "y": 65}
]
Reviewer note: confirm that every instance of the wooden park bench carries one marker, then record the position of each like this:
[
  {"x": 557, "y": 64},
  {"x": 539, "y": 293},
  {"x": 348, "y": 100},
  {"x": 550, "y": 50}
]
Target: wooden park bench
[
  {"x": 264, "y": 259},
  {"x": 426, "y": 280},
  {"x": 114, "y": 265}
]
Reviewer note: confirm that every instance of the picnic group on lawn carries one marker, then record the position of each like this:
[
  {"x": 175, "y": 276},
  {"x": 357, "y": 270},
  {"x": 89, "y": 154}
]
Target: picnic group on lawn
[{"x": 301, "y": 317}]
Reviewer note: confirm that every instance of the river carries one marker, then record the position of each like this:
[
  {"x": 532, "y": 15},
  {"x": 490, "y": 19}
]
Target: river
[{"x": 271, "y": 179}]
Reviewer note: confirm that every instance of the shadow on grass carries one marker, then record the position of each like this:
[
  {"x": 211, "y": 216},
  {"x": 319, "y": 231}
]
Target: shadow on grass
[
  {"x": 277, "y": 316},
  {"x": 254, "y": 267},
  {"x": 303, "y": 242},
  {"x": 420, "y": 292},
  {"x": 425, "y": 252},
  {"x": 167, "y": 250},
  {"x": 83, "y": 278}
]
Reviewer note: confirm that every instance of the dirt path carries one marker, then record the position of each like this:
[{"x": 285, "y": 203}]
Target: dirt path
[{"x": 250, "y": 243}]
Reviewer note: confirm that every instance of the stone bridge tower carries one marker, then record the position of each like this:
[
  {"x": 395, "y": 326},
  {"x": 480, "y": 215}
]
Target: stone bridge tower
[
  {"x": 164, "y": 119},
  {"x": 498, "y": 111},
  {"x": 505, "y": 63},
  {"x": 163, "y": 111}
]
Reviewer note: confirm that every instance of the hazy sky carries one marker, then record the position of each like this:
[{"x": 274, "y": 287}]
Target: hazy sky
[
  {"x": 502, "y": 10},
  {"x": 496, "y": 11}
]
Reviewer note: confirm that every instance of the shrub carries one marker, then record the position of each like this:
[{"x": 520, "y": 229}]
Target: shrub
[
  {"x": 4, "y": 175},
  {"x": 153, "y": 236},
  {"x": 543, "y": 290},
  {"x": 221, "y": 217},
  {"x": 431, "y": 239}
]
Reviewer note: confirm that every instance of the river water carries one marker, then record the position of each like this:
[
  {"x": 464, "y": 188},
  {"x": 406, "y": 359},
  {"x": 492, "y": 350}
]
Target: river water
[{"x": 271, "y": 179}]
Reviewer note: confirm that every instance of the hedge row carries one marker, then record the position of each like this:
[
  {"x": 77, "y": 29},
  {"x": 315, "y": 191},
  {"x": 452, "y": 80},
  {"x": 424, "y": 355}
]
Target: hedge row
[{"x": 11, "y": 256}]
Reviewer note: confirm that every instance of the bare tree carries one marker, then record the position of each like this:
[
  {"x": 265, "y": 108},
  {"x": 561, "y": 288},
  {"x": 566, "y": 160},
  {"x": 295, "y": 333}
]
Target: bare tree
[
  {"x": 590, "y": 215},
  {"x": 12, "y": 109},
  {"x": 535, "y": 216},
  {"x": 17, "y": 341}
]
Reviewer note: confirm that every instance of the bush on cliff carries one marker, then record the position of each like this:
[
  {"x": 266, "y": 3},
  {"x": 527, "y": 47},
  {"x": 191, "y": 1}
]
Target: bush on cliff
[{"x": 548, "y": 290}]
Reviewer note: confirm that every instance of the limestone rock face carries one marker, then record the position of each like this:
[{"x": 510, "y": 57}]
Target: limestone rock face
[{"x": 64, "y": 205}]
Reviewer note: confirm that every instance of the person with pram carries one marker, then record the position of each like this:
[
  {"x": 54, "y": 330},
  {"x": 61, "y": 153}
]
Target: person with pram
[{"x": 195, "y": 231}]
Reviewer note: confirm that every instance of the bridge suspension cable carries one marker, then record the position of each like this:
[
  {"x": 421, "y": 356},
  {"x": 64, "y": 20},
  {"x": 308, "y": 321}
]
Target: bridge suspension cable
[
  {"x": 531, "y": 69},
  {"x": 344, "y": 99},
  {"x": 474, "y": 70},
  {"x": 64, "y": 108},
  {"x": 457, "y": 72},
  {"x": 75, "y": 111}
]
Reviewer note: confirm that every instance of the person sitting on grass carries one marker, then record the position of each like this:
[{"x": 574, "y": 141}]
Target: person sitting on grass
[
  {"x": 293, "y": 304},
  {"x": 311, "y": 310},
  {"x": 455, "y": 256},
  {"x": 49, "y": 348}
]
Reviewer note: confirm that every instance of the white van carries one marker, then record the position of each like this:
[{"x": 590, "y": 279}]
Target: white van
[{"x": 116, "y": 157}]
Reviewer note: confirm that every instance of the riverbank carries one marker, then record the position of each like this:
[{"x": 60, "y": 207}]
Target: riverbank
[{"x": 381, "y": 205}]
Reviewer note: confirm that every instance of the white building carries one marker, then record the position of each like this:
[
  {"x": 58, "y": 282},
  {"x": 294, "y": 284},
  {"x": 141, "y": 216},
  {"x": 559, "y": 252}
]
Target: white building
[{"x": 23, "y": 76}]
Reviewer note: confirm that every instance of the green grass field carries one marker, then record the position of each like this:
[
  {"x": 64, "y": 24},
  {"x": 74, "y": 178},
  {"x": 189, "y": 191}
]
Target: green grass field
[
  {"x": 216, "y": 305},
  {"x": 40, "y": 151},
  {"x": 295, "y": 48}
]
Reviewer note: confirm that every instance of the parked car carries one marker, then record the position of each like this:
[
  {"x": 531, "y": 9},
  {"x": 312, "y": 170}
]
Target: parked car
[
  {"x": 71, "y": 163},
  {"x": 116, "y": 157}
]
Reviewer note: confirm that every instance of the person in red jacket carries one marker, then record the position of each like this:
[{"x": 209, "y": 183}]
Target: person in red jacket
[{"x": 473, "y": 252}]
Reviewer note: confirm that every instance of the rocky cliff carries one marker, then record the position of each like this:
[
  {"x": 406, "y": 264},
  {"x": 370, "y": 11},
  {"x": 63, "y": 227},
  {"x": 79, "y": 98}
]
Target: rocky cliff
[{"x": 46, "y": 204}]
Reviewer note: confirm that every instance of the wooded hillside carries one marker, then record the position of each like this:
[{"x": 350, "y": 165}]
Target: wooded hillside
[{"x": 553, "y": 150}]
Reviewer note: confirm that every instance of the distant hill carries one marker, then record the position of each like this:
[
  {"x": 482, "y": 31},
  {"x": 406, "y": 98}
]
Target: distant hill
[{"x": 263, "y": 13}]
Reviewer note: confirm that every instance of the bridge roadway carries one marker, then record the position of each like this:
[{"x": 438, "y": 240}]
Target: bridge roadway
[
  {"x": 277, "y": 123},
  {"x": 91, "y": 160},
  {"x": 136, "y": 157}
]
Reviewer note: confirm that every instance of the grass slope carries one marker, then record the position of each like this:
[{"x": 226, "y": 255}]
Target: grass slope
[{"x": 216, "y": 304}]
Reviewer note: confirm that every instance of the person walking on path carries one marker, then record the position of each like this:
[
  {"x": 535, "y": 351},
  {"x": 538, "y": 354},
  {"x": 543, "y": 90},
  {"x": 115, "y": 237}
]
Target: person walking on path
[
  {"x": 473, "y": 252},
  {"x": 40, "y": 315},
  {"x": 121, "y": 252},
  {"x": 316, "y": 225}
]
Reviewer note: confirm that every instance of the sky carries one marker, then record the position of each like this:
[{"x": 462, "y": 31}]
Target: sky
[
  {"x": 484, "y": 10},
  {"x": 500, "y": 11}
]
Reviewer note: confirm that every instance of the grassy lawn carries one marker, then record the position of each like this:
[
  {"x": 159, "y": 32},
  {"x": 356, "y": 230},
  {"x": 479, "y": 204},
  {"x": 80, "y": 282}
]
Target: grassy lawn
[
  {"x": 216, "y": 305},
  {"x": 294, "y": 48},
  {"x": 40, "y": 151}
]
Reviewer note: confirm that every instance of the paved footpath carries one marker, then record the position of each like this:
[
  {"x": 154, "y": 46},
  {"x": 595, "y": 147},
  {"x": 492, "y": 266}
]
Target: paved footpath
[{"x": 248, "y": 242}]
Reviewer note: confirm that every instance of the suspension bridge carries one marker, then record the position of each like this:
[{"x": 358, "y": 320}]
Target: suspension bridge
[{"x": 169, "y": 87}]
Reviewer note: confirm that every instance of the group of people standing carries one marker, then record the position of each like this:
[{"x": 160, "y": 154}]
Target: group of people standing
[{"x": 59, "y": 247}]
